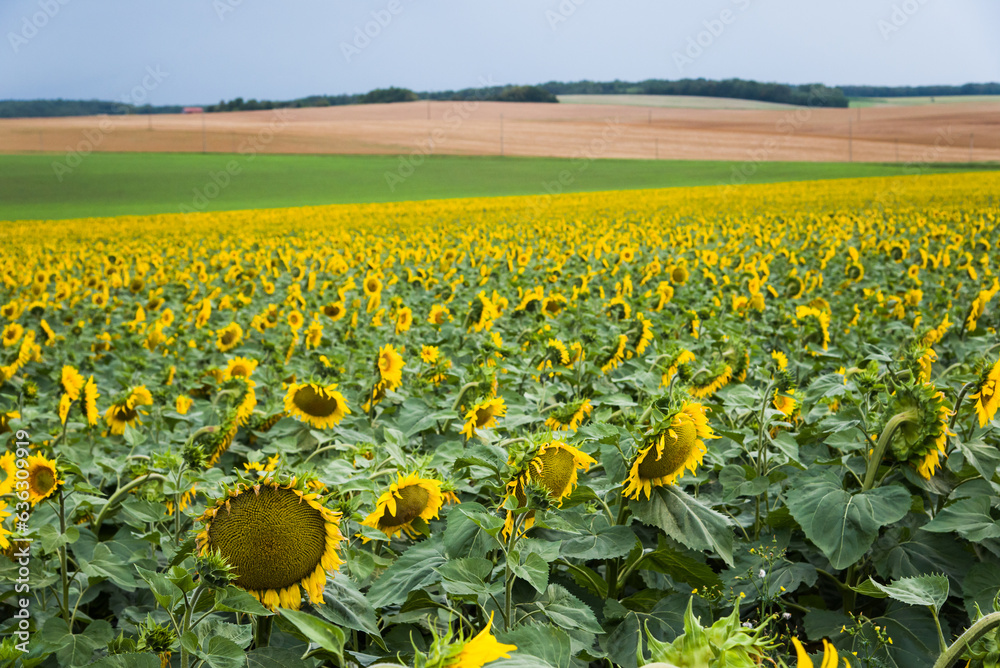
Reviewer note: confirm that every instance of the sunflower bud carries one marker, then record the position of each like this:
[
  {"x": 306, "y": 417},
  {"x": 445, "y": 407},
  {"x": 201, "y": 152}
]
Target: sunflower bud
[
  {"x": 155, "y": 638},
  {"x": 214, "y": 570},
  {"x": 122, "y": 645},
  {"x": 194, "y": 456}
]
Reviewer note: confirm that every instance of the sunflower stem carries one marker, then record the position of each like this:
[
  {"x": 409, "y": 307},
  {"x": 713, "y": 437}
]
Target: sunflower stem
[
  {"x": 971, "y": 635},
  {"x": 894, "y": 423},
  {"x": 263, "y": 635},
  {"x": 63, "y": 567},
  {"x": 121, "y": 491},
  {"x": 958, "y": 402}
]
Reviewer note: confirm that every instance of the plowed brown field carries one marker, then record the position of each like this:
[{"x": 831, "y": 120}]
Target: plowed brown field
[{"x": 925, "y": 133}]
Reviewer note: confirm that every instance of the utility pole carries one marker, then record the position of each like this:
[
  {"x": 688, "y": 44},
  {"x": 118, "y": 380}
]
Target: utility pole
[
  {"x": 501, "y": 134},
  {"x": 204, "y": 138}
]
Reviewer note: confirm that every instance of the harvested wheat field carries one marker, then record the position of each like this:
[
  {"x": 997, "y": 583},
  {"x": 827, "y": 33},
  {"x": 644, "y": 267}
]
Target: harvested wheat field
[{"x": 924, "y": 133}]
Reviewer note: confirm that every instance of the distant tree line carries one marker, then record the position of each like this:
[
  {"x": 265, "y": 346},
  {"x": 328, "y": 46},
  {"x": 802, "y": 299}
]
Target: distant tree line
[
  {"x": 817, "y": 95},
  {"x": 49, "y": 108},
  {"x": 922, "y": 91}
]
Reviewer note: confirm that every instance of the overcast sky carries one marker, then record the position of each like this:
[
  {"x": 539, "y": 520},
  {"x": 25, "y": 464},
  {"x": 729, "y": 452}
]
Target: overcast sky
[{"x": 201, "y": 51}]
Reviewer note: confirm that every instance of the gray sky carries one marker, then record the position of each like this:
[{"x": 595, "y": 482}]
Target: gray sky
[{"x": 201, "y": 51}]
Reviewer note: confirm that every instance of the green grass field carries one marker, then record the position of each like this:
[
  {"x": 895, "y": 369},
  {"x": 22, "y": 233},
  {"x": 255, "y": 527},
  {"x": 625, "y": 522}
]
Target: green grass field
[
  {"x": 910, "y": 101},
  {"x": 111, "y": 184}
]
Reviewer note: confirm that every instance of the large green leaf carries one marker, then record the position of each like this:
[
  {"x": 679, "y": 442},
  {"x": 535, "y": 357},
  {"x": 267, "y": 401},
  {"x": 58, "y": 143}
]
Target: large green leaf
[
  {"x": 540, "y": 641},
  {"x": 415, "y": 568},
  {"x": 74, "y": 649},
  {"x": 317, "y": 631},
  {"x": 969, "y": 518},
  {"x": 687, "y": 520},
  {"x": 929, "y": 590},
  {"x": 841, "y": 524},
  {"x": 346, "y": 606},
  {"x": 469, "y": 577}
]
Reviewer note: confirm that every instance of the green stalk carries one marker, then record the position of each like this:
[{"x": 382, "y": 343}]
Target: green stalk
[
  {"x": 958, "y": 402},
  {"x": 971, "y": 635},
  {"x": 96, "y": 525},
  {"x": 63, "y": 560}
]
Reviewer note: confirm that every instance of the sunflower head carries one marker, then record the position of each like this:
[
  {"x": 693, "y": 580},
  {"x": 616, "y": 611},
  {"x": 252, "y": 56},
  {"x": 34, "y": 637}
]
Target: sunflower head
[
  {"x": 389, "y": 366},
  {"x": 43, "y": 478},
  {"x": 674, "y": 447},
  {"x": 987, "y": 394},
  {"x": 316, "y": 405},
  {"x": 408, "y": 499},
  {"x": 239, "y": 366},
  {"x": 484, "y": 415},
  {"x": 922, "y": 435},
  {"x": 278, "y": 538}
]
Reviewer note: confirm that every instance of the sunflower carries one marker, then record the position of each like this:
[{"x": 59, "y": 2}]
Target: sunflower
[
  {"x": 4, "y": 542},
  {"x": 407, "y": 499},
  {"x": 278, "y": 538},
  {"x": 643, "y": 334},
  {"x": 5, "y": 419},
  {"x": 921, "y": 439},
  {"x": 8, "y": 467},
  {"x": 12, "y": 334},
  {"x": 483, "y": 415},
  {"x": 404, "y": 318},
  {"x": 183, "y": 404},
  {"x": 239, "y": 366},
  {"x": 668, "y": 454},
  {"x": 480, "y": 650},
  {"x": 830, "y": 658},
  {"x": 987, "y": 395},
  {"x": 439, "y": 314},
  {"x": 295, "y": 321},
  {"x": 316, "y": 405},
  {"x": 42, "y": 478},
  {"x": 570, "y": 416},
  {"x": 614, "y": 360},
  {"x": 787, "y": 404},
  {"x": 390, "y": 367},
  {"x": 780, "y": 359},
  {"x": 90, "y": 395},
  {"x": 429, "y": 354},
  {"x": 126, "y": 412},
  {"x": 335, "y": 311},
  {"x": 554, "y": 467},
  {"x": 72, "y": 382},
  {"x": 714, "y": 384},
  {"x": 229, "y": 337}
]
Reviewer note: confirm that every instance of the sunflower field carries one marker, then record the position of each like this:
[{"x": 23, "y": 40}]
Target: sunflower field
[{"x": 703, "y": 428}]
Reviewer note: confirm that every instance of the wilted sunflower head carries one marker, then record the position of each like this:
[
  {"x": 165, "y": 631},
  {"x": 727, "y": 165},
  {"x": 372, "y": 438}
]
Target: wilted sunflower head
[
  {"x": 555, "y": 467},
  {"x": 409, "y": 498},
  {"x": 278, "y": 539},
  {"x": 669, "y": 452},
  {"x": 317, "y": 405},
  {"x": 922, "y": 433}
]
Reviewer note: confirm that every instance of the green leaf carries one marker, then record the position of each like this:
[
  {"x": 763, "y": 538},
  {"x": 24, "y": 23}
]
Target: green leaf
[
  {"x": 547, "y": 643},
  {"x": 134, "y": 660},
  {"x": 346, "y": 606},
  {"x": 609, "y": 543},
  {"x": 50, "y": 540},
  {"x": 234, "y": 599},
  {"x": 469, "y": 577},
  {"x": 144, "y": 511},
  {"x": 416, "y": 568},
  {"x": 841, "y": 524},
  {"x": 74, "y": 649},
  {"x": 735, "y": 483},
  {"x": 567, "y": 611},
  {"x": 679, "y": 566},
  {"x": 981, "y": 587},
  {"x": 466, "y": 538},
  {"x": 276, "y": 657},
  {"x": 687, "y": 520},
  {"x": 167, "y": 594},
  {"x": 534, "y": 569},
  {"x": 969, "y": 518},
  {"x": 871, "y": 589},
  {"x": 317, "y": 631},
  {"x": 107, "y": 564},
  {"x": 222, "y": 653},
  {"x": 929, "y": 590}
]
